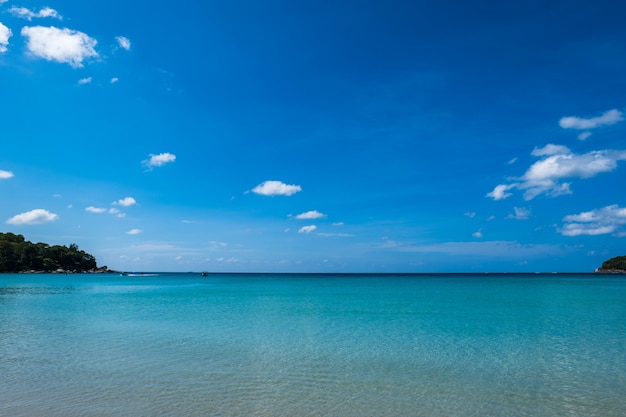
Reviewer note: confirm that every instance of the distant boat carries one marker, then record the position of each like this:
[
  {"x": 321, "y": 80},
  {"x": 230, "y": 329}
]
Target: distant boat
[
  {"x": 205, "y": 274},
  {"x": 124, "y": 274}
]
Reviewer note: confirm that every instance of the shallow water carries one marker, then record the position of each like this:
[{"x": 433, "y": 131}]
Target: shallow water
[{"x": 313, "y": 345}]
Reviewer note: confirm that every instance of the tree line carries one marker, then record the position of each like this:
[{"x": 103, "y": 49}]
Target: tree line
[
  {"x": 18, "y": 254},
  {"x": 616, "y": 264}
]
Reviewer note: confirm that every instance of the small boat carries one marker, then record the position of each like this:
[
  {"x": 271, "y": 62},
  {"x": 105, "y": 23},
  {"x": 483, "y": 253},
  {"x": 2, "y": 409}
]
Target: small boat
[
  {"x": 205, "y": 274},
  {"x": 124, "y": 274}
]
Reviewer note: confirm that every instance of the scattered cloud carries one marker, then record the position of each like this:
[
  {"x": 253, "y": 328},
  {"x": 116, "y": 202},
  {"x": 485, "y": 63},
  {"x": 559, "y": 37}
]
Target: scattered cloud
[
  {"x": 65, "y": 46},
  {"x": 606, "y": 220},
  {"x": 521, "y": 213},
  {"x": 550, "y": 150},
  {"x": 500, "y": 192},
  {"x": 123, "y": 42},
  {"x": 607, "y": 118},
  {"x": 512, "y": 161},
  {"x": 470, "y": 214},
  {"x": 126, "y": 202},
  {"x": 338, "y": 224},
  {"x": 5, "y": 175},
  {"x": 37, "y": 216},
  {"x": 557, "y": 163},
  {"x": 97, "y": 210},
  {"x": 312, "y": 214},
  {"x": 114, "y": 80},
  {"x": 86, "y": 80},
  {"x": 584, "y": 135},
  {"x": 307, "y": 229},
  {"x": 335, "y": 234},
  {"x": 134, "y": 232},
  {"x": 28, "y": 14},
  {"x": 478, "y": 234},
  {"x": 5, "y": 34},
  {"x": 272, "y": 188},
  {"x": 491, "y": 249},
  {"x": 158, "y": 160},
  {"x": 117, "y": 213}
]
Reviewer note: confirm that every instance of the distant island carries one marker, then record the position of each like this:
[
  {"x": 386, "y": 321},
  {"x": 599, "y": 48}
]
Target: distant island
[
  {"x": 615, "y": 265},
  {"x": 20, "y": 255}
]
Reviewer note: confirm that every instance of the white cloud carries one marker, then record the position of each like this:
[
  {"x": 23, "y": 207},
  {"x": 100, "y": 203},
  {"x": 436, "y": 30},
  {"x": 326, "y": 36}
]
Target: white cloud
[
  {"x": 158, "y": 160},
  {"x": 28, "y": 14},
  {"x": 36, "y": 216},
  {"x": 550, "y": 150},
  {"x": 4, "y": 175},
  {"x": 521, "y": 213},
  {"x": 478, "y": 234},
  {"x": 584, "y": 135},
  {"x": 557, "y": 164},
  {"x": 494, "y": 249},
  {"x": 312, "y": 214},
  {"x": 500, "y": 192},
  {"x": 338, "y": 224},
  {"x": 96, "y": 210},
  {"x": 607, "y": 118},
  {"x": 86, "y": 80},
  {"x": 272, "y": 188},
  {"x": 117, "y": 213},
  {"x": 470, "y": 214},
  {"x": 114, "y": 80},
  {"x": 5, "y": 34},
  {"x": 335, "y": 234},
  {"x": 126, "y": 202},
  {"x": 512, "y": 161},
  {"x": 307, "y": 229},
  {"x": 123, "y": 42},
  {"x": 60, "y": 45},
  {"x": 134, "y": 231},
  {"x": 609, "y": 219}
]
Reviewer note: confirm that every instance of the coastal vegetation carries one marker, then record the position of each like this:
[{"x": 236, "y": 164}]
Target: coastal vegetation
[
  {"x": 617, "y": 264},
  {"x": 20, "y": 255}
]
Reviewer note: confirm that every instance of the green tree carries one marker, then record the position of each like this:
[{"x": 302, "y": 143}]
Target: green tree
[{"x": 619, "y": 262}]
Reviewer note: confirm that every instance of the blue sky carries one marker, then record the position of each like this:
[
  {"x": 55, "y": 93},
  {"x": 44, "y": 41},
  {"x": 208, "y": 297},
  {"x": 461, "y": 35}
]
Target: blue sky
[{"x": 340, "y": 136}]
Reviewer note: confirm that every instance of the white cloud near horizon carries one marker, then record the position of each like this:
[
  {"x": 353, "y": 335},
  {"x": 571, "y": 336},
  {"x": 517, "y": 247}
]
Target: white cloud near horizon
[
  {"x": 36, "y": 216},
  {"x": 558, "y": 163},
  {"x": 311, "y": 214},
  {"x": 28, "y": 14},
  {"x": 273, "y": 188},
  {"x": 5, "y": 34},
  {"x": 607, "y": 118},
  {"x": 493, "y": 248},
  {"x": 134, "y": 232},
  {"x": 64, "y": 46},
  {"x": 606, "y": 220},
  {"x": 123, "y": 42},
  {"x": 5, "y": 175},
  {"x": 126, "y": 202},
  {"x": 307, "y": 229},
  {"x": 158, "y": 160}
]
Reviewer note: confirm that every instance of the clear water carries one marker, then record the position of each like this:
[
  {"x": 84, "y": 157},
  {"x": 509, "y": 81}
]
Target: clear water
[{"x": 313, "y": 345}]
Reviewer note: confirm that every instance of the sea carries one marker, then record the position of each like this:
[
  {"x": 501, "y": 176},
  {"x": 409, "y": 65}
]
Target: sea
[{"x": 313, "y": 345}]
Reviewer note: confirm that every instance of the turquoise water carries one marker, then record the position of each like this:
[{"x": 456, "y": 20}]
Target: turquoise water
[{"x": 313, "y": 345}]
